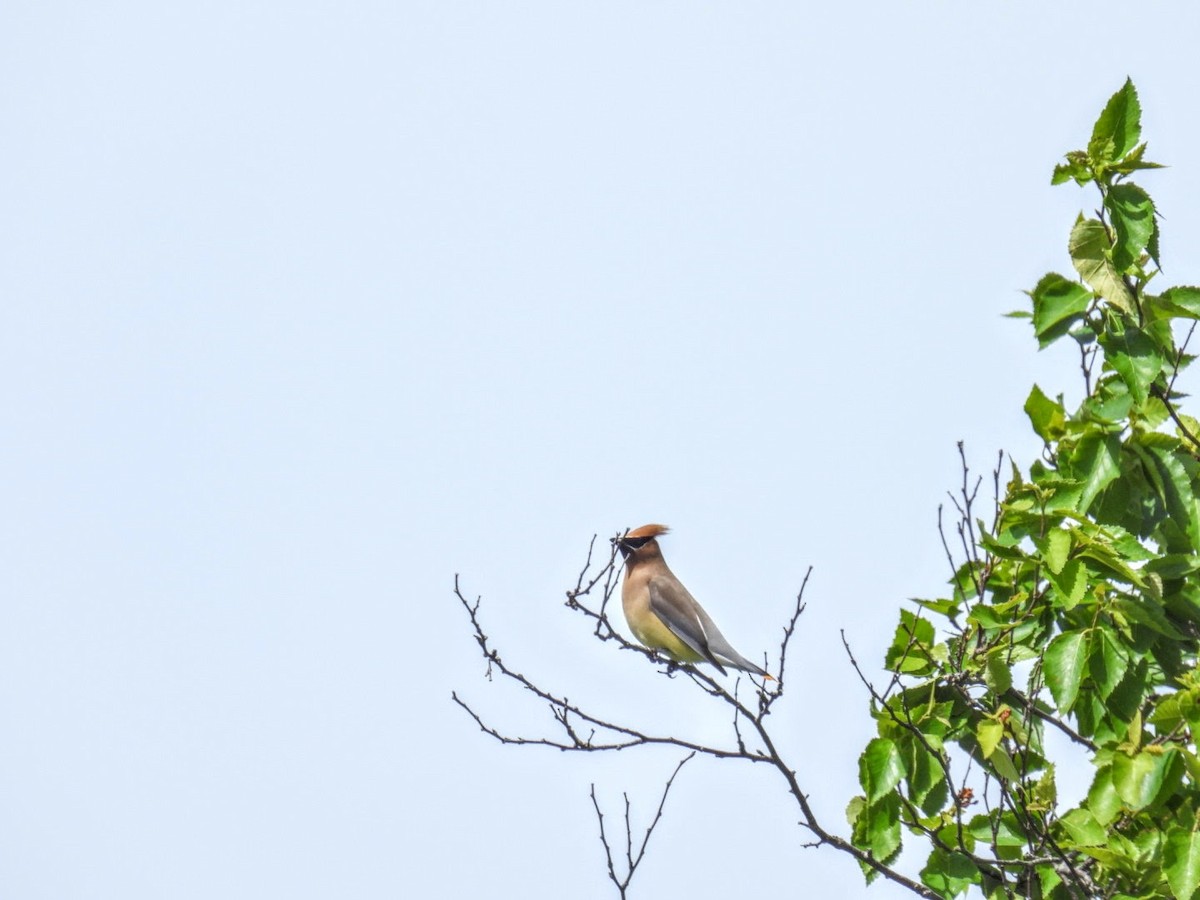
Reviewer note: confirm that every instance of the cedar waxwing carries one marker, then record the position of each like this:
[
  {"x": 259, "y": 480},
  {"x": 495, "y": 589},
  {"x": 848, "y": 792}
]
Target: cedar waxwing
[{"x": 661, "y": 612}]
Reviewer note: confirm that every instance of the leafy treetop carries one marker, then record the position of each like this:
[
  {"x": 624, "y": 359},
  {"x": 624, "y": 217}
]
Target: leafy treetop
[{"x": 1075, "y": 611}]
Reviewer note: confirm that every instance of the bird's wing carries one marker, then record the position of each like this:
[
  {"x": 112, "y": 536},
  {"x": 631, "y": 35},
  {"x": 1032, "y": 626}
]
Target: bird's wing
[
  {"x": 718, "y": 645},
  {"x": 679, "y": 611}
]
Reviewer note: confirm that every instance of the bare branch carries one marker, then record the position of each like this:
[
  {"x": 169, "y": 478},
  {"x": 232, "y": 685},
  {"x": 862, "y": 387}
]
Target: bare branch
[
  {"x": 632, "y": 859},
  {"x": 585, "y": 731}
]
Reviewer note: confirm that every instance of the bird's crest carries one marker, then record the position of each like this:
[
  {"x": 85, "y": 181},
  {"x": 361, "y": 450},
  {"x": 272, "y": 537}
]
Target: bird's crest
[{"x": 648, "y": 531}]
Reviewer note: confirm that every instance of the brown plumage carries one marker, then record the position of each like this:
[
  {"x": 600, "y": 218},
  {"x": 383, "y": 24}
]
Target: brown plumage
[{"x": 662, "y": 614}]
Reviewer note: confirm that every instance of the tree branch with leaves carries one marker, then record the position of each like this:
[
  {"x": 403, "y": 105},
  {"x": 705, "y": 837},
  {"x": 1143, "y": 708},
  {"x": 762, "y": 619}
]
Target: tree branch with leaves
[{"x": 1073, "y": 609}]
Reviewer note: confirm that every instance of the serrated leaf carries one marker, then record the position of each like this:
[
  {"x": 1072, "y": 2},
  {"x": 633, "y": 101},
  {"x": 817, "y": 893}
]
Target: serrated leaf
[
  {"x": 854, "y": 809},
  {"x": 1058, "y": 303},
  {"x": 1147, "y": 613},
  {"x": 1126, "y": 699},
  {"x": 989, "y": 733},
  {"x": 1107, "y": 662},
  {"x": 1089, "y": 246},
  {"x": 1174, "y": 710},
  {"x": 997, "y": 672},
  {"x": 1000, "y": 829},
  {"x": 1119, "y": 127},
  {"x": 1071, "y": 583},
  {"x": 1182, "y": 301},
  {"x": 1132, "y": 214},
  {"x": 1050, "y": 880},
  {"x": 1174, "y": 565},
  {"x": 1102, "y": 800},
  {"x": 949, "y": 873},
  {"x": 1139, "y": 778},
  {"x": 1083, "y": 828},
  {"x": 1191, "y": 765},
  {"x": 1094, "y": 462},
  {"x": 1045, "y": 791},
  {"x": 912, "y": 644},
  {"x": 1003, "y": 765},
  {"x": 925, "y": 777},
  {"x": 1165, "y": 470},
  {"x": 1046, "y": 415},
  {"x": 1188, "y": 428},
  {"x": 1133, "y": 161},
  {"x": 877, "y": 829},
  {"x": 1181, "y": 862},
  {"x": 1055, "y": 547},
  {"x": 1135, "y": 357},
  {"x": 1110, "y": 401},
  {"x": 880, "y": 768},
  {"x": 1063, "y": 664}
]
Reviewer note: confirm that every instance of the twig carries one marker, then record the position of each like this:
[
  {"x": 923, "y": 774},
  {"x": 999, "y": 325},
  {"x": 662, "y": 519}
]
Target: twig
[{"x": 632, "y": 860}]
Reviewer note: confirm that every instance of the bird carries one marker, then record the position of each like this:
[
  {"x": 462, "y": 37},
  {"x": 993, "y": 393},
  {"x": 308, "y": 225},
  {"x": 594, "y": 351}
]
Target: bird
[{"x": 661, "y": 612}]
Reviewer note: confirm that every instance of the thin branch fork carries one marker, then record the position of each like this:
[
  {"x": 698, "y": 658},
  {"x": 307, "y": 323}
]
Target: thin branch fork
[{"x": 632, "y": 859}]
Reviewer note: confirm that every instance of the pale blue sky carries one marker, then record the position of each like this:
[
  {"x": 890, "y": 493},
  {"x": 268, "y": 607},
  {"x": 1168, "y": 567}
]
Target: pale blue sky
[{"x": 307, "y": 307}]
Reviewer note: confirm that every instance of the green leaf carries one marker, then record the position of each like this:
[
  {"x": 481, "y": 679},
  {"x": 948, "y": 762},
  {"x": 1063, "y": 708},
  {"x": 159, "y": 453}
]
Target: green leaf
[
  {"x": 1119, "y": 127},
  {"x": 1050, "y": 880},
  {"x": 877, "y": 829},
  {"x": 989, "y": 733},
  {"x": 885, "y": 830},
  {"x": 1063, "y": 664},
  {"x": 1083, "y": 828},
  {"x": 1191, "y": 765},
  {"x": 1132, "y": 213},
  {"x": 1177, "y": 709},
  {"x": 1057, "y": 305},
  {"x": 1134, "y": 356},
  {"x": 1046, "y": 415},
  {"x": 1179, "y": 301},
  {"x": 1055, "y": 547},
  {"x": 997, "y": 673},
  {"x": 1165, "y": 470},
  {"x": 1126, "y": 699},
  {"x": 1045, "y": 792},
  {"x": 1102, "y": 800},
  {"x": 925, "y": 777},
  {"x": 949, "y": 873},
  {"x": 854, "y": 809},
  {"x": 1139, "y": 778},
  {"x": 1133, "y": 161},
  {"x": 1107, "y": 662},
  {"x": 998, "y": 829},
  {"x": 911, "y": 645},
  {"x": 1110, "y": 402},
  {"x": 1146, "y": 613},
  {"x": 1094, "y": 462},
  {"x": 880, "y": 768},
  {"x": 1089, "y": 246},
  {"x": 1003, "y": 764},
  {"x": 1076, "y": 167},
  {"x": 1071, "y": 583},
  {"x": 1181, "y": 862},
  {"x": 1174, "y": 565}
]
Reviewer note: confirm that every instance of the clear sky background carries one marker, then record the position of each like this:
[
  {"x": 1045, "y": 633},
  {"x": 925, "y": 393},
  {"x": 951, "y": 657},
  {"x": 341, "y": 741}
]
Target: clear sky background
[{"x": 306, "y": 307}]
